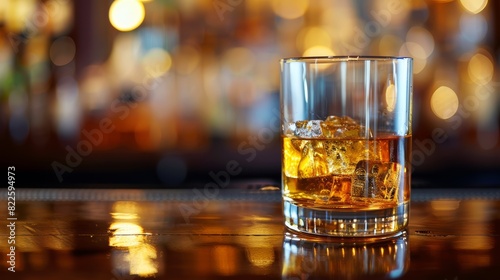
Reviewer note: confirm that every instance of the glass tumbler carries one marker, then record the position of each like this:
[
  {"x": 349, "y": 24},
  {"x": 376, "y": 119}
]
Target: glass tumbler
[{"x": 346, "y": 144}]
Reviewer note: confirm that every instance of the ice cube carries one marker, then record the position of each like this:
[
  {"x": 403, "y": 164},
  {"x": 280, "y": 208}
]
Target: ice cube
[
  {"x": 313, "y": 162},
  {"x": 343, "y": 127},
  {"x": 376, "y": 179},
  {"x": 341, "y": 188},
  {"x": 289, "y": 128},
  {"x": 345, "y": 120},
  {"x": 343, "y": 155},
  {"x": 391, "y": 181},
  {"x": 308, "y": 129}
]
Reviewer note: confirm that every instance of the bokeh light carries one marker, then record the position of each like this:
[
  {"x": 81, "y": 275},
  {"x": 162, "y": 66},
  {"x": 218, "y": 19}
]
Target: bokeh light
[
  {"x": 290, "y": 9},
  {"x": 187, "y": 59},
  {"x": 474, "y": 6},
  {"x": 444, "y": 102},
  {"x": 239, "y": 60},
  {"x": 318, "y": 51},
  {"x": 18, "y": 14},
  {"x": 126, "y": 15},
  {"x": 388, "y": 44},
  {"x": 314, "y": 36},
  {"x": 156, "y": 62},
  {"x": 480, "y": 69},
  {"x": 420, "y": 42},
  {"x": 417, "y": 53},
  {"x": 60, "y": 13},
  {"x": 473, "y": 28},
  {"x": 62, "y": 51}
]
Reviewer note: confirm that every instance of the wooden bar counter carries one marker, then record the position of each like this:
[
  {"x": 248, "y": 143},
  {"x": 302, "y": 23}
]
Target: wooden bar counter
[{"x": 235, "y": 233}]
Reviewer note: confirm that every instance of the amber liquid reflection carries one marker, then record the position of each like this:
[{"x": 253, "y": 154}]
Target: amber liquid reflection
[{"x": 322, "y": 259}]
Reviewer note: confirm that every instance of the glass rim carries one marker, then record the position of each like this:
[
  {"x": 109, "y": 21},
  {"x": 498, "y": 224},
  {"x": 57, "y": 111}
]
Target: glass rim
[{"x": 342, "y": 58}]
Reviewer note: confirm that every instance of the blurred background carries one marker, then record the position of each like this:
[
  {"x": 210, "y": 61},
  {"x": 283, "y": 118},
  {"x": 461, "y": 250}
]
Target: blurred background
[{"x": 166, "y": 92}]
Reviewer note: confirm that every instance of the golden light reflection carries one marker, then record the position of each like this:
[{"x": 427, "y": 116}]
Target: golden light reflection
[
  {"x": 129, "y": 237},
  {"x": 126, "y": 15},
  {"x": 480, "y": 69},
  {"x": 124, "y": 210},
  {"x": 225, "y": 259},
  {"x": 323, "y": 260},
  {"x": 290, "y": 9},
  {"x": 474, "y": 6},
  {"x": 141, "y": 260},
  {"x": 260, "y": 256},
  {"x": 445, "y": 205},
  {"x": 475, "y": 233},
  {"x": 125, "y": 234},
  {"x": 474, "y": 243},
  {"x": 390, "y": 97},
  {"x": 444, "y": 102}
]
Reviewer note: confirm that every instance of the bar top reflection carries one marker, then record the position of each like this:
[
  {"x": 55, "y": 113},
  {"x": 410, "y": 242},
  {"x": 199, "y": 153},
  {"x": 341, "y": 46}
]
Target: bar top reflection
[{"x": 131, "y": 234}]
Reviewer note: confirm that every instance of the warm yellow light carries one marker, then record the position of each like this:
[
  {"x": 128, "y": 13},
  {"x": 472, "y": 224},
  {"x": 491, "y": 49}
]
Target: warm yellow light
[
  {"x": 314, "y": 36},
  {"x": 125, "y": 234},
  {"x": 474, "y": 6},
  {"x": 60, "y": 14},
  {"x": 318, "y": 51},
  {"x": 157, "y": 62},
  {"x": 417, "y": 52},
  {"x": 126, "y": 15},
  {"x": 290, "y": 9},
  {"x": 388, "y": 44},
  {"x": 390, "y": 97},
  {"x": 421, "y": 38},
  {"x": 444, "y": 102},
  {"x": 3, "y": 10},
  {"x": 480, "y": 69},
  {"x": 142, "y": 260},
  {"x": 18, "y": 14},
  {"x": 260, "y": 256}
]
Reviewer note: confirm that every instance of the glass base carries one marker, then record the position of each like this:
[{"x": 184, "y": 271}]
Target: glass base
[{"x": 342, "y": 223}]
